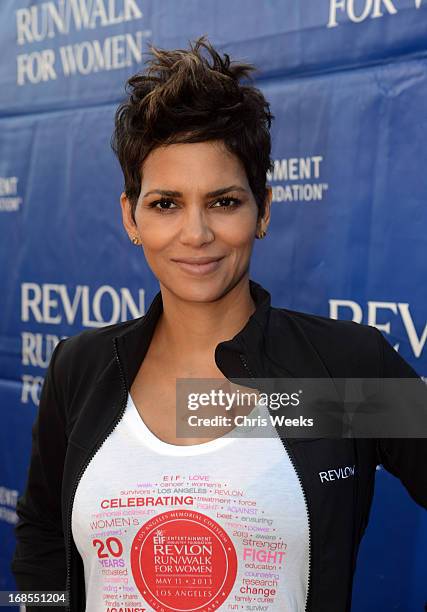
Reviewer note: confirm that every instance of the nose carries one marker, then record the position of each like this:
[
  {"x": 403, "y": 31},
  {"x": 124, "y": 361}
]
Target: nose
[{"x": 195, "y": 229}]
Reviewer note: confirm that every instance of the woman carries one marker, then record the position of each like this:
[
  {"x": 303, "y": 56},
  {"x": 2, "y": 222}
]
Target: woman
[{"x": 118, "y": 509}]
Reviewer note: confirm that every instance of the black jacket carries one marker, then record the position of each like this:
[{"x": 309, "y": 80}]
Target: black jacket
[{"x": 84, "y": 396}]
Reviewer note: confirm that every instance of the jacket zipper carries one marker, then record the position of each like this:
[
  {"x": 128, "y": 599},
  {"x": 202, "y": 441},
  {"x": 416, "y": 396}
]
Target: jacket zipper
[
  {"x": 93, "y": 453},
  {"x": 294, "y": 465}
]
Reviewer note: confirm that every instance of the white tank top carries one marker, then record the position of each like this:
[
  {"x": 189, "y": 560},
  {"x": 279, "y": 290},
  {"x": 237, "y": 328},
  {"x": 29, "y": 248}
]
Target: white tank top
[{"x": 218, "y": 525}]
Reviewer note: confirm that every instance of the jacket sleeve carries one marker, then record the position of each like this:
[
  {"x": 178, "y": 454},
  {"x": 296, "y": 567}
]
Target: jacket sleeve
[
  {"x": 39, "y": 561},
  {"x": 405, "y": 458}
]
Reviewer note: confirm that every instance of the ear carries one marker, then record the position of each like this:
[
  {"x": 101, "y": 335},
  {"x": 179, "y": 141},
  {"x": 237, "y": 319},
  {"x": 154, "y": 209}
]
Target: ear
[
  {"x": 265, "y": 219},
  {"x": 128, "y": 222},
  {"x": 268, "y": 201}
]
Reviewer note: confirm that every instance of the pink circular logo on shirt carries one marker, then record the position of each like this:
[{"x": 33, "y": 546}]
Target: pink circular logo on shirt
[{"x": 183, "y": 560}]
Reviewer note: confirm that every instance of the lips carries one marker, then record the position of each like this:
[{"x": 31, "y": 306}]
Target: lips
[
  {"x": 200, "y": 266},
  {"x": 197, "y": 260}
]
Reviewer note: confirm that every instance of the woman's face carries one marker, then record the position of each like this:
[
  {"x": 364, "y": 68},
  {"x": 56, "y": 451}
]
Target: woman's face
[{"x": 191, "y": 222}]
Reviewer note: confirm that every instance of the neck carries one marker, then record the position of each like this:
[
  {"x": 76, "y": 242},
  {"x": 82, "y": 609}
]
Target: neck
[{"x": 193, "y": 329}]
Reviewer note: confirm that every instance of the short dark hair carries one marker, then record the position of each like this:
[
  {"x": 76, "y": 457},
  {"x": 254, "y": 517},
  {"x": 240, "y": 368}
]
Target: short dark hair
[{"x": 181, "y": 98}]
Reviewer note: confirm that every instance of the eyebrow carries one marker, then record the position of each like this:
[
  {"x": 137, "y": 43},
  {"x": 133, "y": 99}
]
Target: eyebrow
[{"x": 210, "y": 194}]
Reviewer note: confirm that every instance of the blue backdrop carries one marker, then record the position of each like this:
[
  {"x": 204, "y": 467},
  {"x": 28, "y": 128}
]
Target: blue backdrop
[{"x": 347, "y": 82}]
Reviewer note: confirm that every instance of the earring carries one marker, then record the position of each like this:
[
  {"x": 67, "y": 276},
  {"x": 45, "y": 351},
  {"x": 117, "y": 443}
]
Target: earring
[
  {"x": 136, "y": 240},
  {"x": 261, "y": 234}
]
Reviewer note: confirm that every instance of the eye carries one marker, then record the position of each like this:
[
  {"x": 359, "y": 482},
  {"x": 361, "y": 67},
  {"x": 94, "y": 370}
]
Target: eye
[
  {"x": 161, "y": 201},
  {"x": 232, "y": 203}
]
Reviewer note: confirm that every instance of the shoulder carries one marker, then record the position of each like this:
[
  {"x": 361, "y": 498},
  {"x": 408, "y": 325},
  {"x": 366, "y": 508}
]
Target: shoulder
[
  {"x": 343, "y": 346},
  {"x": 88, "y": 352},
  {"x": 346, "y": 347},
  {"x": 97, "y": 338},
  {"x": 320, "y": 327}
]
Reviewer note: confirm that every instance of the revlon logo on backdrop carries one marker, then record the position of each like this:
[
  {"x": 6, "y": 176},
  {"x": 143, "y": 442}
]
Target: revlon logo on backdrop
[{"x": 56, "y": 304}]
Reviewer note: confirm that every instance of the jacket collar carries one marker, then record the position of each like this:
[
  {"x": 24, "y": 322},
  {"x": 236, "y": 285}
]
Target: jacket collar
[
  {"x": 133, "y": 341},
  {"x": 273, "y": 343}
]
